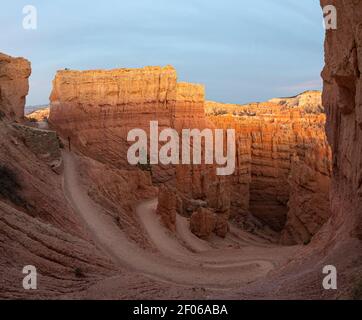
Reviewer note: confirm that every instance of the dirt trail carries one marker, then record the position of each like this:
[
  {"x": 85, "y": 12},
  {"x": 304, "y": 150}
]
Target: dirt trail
[{"x": 182, "y": 258}]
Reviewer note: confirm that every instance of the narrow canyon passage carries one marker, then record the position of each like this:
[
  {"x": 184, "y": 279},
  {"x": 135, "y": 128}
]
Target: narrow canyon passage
[{"x": 182, "y": 259}]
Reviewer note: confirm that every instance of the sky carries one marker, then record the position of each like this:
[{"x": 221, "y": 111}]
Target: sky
[{"x": 241, "y": 50}]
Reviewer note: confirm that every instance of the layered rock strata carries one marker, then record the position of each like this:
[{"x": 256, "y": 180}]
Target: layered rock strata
[
  {"x": 342, "y": 98},
  {"x": 95, "y": 110},
  {"x": 283, "y": 163},
  {"x": 14, "y": 86},
  {"x": 167, "y": 207},
  {"x": 38, "y": 226}
]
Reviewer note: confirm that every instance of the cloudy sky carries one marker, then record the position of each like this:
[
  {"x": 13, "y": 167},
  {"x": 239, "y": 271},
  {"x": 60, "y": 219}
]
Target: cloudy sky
[{"x": 241, "y": 50}]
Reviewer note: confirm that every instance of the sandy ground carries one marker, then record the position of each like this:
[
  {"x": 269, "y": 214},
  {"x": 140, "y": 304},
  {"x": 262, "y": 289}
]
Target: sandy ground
[{"x": 181, "y": 259}]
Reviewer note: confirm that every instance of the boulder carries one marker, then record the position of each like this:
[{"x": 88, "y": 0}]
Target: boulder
[{"x": 203, "y": 223}]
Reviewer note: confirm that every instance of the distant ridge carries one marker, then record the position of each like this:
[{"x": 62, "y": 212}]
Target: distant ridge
[{"x": 31, "y": 109}]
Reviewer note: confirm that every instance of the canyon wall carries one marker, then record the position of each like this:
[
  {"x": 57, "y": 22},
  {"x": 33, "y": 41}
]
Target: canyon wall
[
  {"x": 276, "y": 141},
  {"x": 38, "y": 226},
  {"x": 14, "y": 86},
  {"x": 95, "y": 110},
  {"x": 342, "y": 98},
  {"x": 283, "y": 162}
]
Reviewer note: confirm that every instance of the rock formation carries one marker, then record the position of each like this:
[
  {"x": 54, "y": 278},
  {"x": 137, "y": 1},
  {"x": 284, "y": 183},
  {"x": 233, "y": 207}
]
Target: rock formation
[
  {"x": 309, "y": 101},
  {"x": 39, "y": 115},
  {"x": 342, "y": 98},
  {"x": 14, "y": 86},
  {"x": 338, "y": 242},
  {"x": 203, "y": 223},
  {"x": 283, "y": 163},
  {"x": 37, "y": 225},
  {"x": 167, "y": 206},
  {"x": 95, "y": 110}
]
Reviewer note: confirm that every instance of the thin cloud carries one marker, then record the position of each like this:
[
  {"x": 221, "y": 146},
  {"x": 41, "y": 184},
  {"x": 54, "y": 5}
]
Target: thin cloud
[{"x": 315, "y": 84}]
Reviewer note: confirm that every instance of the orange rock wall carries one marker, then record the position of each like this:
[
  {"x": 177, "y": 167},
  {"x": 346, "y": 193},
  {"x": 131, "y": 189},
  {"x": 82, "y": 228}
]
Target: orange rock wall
[
  {"x": 14, "y": 86},
  {"x": 97, "y": 109},
  {"x": 342, "y": 98},
  {"x": 283, "y": 165}
]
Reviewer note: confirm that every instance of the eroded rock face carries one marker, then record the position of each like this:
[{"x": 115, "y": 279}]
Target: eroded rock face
[
  {"x": 309, "y": 101},
  {"x": 283, "y": 163},
  {"x": 189, "y": 109},
  {"x": 342, "y": 98},
  {"x": 38, "y": 226},
  {"x": 14, "y": 86},
  {"x": 309, "y": 202},
  {"x": 97, "y": 109},
  {"x": 203, "y": 223},
  {"x": 39, "y": 115},
  {"x": 43, "y": 143},
  {"x": 167, "y": 206}
]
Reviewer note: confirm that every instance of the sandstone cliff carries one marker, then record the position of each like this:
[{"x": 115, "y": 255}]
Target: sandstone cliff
[
  {"x": 95, "y": 110},
  {"x": 38, "y": 227},
  {"x": 167, "y": 206},
  {"x": 283, "y": 163},
  {"x": 308, "y": 101},
  {"x": 342, "y": 98},
  {"x": 14, "y": 74},
  {"x": 39, "y": 115}
]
